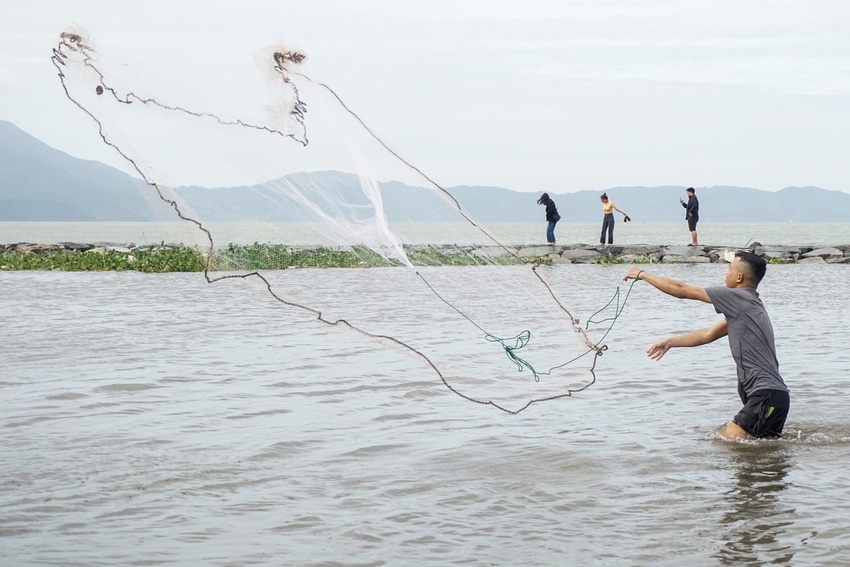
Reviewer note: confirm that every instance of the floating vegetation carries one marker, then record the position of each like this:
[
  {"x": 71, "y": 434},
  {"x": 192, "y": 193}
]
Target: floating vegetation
[
  {"x": 277, "y": 257},
  {"x": 86, "y": 258},
  {"x": 179, "y": 258},
  {"x": 625, "y": 260}
]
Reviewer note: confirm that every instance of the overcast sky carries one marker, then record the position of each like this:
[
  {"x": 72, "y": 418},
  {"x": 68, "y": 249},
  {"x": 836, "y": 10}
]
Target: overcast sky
[{"x": 555, "y": 95}]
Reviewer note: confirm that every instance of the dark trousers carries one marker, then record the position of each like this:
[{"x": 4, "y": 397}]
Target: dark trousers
[{"x": 607, "y": 224}]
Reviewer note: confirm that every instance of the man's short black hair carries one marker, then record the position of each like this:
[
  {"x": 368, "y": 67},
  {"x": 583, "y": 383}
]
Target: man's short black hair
[{"x": 756, "y": 263}]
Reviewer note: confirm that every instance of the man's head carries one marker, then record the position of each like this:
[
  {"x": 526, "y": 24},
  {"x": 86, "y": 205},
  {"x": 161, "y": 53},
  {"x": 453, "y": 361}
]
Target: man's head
[
  {"x": 746, "y": 270},
  {"x": 690, "y": 191}
]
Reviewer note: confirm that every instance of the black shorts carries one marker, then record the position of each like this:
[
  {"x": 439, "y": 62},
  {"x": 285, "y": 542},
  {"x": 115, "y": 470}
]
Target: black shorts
[
  {"x": 764, "y": 413},
  {"x": 692, "y": 223}
]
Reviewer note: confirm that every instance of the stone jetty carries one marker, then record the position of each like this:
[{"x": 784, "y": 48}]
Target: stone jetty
[
  {"x": 560, "y": 254},
  {"x": 641, "y": 253}
]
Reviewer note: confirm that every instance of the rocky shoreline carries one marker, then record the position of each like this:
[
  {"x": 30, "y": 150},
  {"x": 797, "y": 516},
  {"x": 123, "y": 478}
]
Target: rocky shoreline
[{"x": 559, "y": 254}]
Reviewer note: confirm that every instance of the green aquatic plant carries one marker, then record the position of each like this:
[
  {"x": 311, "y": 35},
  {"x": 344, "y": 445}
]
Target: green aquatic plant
[
  {"x": 629, "y": 260},
  {"x": 258, "y": 256},
  {"x": 155, "y": 259},
  {"x": 166, "y": 259}
]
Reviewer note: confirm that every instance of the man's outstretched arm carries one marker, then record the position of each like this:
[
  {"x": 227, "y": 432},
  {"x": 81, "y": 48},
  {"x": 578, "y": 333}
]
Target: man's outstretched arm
[
  {"x": 694, "y": 338},
  {"x": 669, "y": 286}
]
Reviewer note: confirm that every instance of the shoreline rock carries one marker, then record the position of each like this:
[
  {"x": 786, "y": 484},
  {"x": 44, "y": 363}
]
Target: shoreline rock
[{"x": 559, "y": 254}]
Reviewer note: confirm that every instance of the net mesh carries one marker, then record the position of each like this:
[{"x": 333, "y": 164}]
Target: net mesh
[{"x": 262, "y": 184}]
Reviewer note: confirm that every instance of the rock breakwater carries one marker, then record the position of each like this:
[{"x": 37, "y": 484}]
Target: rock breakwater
[{"x": 559, "y": 254}]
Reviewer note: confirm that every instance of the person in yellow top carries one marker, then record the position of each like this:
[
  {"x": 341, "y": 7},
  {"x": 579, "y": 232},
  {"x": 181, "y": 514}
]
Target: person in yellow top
[{"x": 608, "y": 207}]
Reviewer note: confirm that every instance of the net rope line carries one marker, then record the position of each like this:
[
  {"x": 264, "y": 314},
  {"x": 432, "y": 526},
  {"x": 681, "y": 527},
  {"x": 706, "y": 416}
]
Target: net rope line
[
  {"x": 618, "y": 308},
  {"x": 75, "y": 42},
  {"x": 524, "y": 337}
]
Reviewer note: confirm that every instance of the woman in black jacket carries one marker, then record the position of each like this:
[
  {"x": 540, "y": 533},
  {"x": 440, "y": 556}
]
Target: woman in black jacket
[{"x": 552, "y": 217}]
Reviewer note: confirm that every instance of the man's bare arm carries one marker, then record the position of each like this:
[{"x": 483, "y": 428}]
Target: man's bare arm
[
  {"x": 692, "y": 339},
  {"x": 669, "y": 286}
]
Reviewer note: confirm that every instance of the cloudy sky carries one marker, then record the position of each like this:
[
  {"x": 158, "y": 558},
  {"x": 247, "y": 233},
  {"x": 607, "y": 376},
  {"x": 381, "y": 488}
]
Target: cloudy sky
[{"x": 555, "y": 95}]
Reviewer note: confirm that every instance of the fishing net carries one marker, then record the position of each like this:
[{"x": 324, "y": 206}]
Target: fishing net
[{"x": 290, "y": 174}]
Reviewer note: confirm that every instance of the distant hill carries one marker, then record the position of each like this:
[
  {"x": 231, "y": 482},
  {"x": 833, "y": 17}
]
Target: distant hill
[{"x": 39, "y": 183}]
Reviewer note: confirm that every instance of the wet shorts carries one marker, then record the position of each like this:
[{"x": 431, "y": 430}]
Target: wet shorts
[
  {"x": 692, "y": 223},
  {"x": 764, "y": 413}
]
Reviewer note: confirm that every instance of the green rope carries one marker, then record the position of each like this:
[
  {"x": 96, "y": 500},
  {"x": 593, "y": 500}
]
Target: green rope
[
  {"x": 618, "y": 309},
  {"x": 519, "y": 341}
]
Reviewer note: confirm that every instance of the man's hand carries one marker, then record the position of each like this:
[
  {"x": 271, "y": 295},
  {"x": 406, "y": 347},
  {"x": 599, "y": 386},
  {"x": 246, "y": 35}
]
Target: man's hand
[
  {"x": 633, "y": 274},
  {"x": 658, "y": 350}
]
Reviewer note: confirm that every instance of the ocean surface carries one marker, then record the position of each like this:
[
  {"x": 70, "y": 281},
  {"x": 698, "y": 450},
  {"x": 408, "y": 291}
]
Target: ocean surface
[
  {"x": 714, "y": 234},
  {"x": 155, "y": 419}
]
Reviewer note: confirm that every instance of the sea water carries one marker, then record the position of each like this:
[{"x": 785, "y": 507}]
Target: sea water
[{"x": 155, "y": 419}]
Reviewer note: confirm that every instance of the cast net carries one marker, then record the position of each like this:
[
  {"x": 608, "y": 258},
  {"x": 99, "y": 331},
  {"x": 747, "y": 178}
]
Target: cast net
[{"x": 290, "y": 175}]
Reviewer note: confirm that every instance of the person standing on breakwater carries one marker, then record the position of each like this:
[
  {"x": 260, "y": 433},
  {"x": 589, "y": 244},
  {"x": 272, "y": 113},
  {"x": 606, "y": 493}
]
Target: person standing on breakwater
[
  {"x": 751, "y": 340},
  {"x": 691, "y": 214},
  {"x": 552, "y": 217},
  {"x": 608, "y": 208}
]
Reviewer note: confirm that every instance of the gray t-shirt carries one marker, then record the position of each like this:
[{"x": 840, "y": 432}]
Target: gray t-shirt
[{"x": 750, "y": 338}]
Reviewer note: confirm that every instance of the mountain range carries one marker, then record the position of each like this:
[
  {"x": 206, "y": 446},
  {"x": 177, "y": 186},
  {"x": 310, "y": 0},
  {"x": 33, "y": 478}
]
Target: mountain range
[{"x": 40, "y": 183}]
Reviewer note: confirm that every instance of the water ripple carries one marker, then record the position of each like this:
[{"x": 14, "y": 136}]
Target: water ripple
[{"x": 170, "y": 422}]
